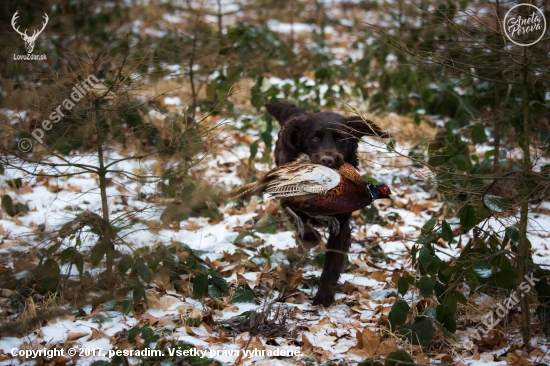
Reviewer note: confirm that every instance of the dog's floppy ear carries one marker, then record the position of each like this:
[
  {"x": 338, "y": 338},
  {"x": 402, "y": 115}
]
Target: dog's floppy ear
[
  {"x": 291, "y": 137},
  {"x": 283, "y": 111},
  {"x": 363, "y": 127}
]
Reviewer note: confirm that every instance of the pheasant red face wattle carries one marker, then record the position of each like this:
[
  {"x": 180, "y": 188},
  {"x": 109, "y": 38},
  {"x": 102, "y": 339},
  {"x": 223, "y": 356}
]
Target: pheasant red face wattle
[{"x": 385, "y": 190}]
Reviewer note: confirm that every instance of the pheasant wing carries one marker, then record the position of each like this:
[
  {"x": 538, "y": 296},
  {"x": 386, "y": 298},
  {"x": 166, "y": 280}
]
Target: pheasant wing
[{"x": 302, "y": 180}]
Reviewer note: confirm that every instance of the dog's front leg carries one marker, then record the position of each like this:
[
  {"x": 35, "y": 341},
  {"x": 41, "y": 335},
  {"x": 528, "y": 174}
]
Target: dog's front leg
[{"x": 337, "y": 247}]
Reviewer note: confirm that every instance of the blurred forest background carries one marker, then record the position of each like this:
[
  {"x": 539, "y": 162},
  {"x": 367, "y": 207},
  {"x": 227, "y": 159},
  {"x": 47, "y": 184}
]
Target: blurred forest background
[{"x": 183, "y": 80}]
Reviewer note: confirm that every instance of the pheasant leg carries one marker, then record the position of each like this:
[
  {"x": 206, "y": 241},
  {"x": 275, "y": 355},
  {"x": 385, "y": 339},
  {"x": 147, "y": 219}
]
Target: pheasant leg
[
  {"x": 297, "y": 221},
  {"x": 331, "y": 222}
]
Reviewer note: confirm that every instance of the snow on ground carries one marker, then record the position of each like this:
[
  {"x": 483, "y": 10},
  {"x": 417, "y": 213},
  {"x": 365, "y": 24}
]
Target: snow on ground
[{"x": 330, "y": 332}]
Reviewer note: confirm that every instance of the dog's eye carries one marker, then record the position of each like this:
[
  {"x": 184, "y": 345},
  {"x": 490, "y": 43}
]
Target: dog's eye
[{"x": 315, "y": 139}]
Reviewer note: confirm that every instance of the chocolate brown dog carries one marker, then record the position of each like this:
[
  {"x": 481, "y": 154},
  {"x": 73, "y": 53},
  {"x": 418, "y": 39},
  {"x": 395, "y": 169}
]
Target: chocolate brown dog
[{"x": 329, "y": 139}]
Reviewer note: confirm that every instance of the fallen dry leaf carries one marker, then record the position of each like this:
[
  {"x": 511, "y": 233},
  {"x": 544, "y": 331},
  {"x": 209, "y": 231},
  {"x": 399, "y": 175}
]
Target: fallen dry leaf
[
  {"x": 513, "y": 359},
  {"x": 361, "y": 234},
  {"x": 164, "y": 303},
  {"x": 161, "y": 278},
  {"x": 61, "y": 360},
  {"x": 300, "y": 298},
  {"x": 387, "y": 347},
  {"x": 347, "y": 288},
  {"x": 124, "y": 344},
  {"x": 154, "y": 225},
  {"x": 446, "y": 360},
  {"x": 75, "y": 335},
  {"x": 307, "y": 345},
  {"x": 395, "y": 276},
  {"x": 166, "y": 321},
  {"x": 252, "y": 206},
  {"x": 256, "y": 343},
  {"x": 148, "y": 319},
  {"x": 72, "y": 188},
  {"x": 327, "y": 355},
  {"x": 476, "y": 355},
  {"x": 55, "y": 189},
  {"x": 241, "y": 278},
  {"x": 243, "y": 138},
  {"x": 401, "y": 204},
  {"x": 20, "y": 265},
  {"x": 418, "y": 207},
  {"x": 493, "y": 338},
  {"x": 189, "y": 331},
  {"x": 537, "y": 353},
  {"x": 97, "y": 334},
  {"x": 192, "y": 226},
  {"x": 442, "y": 243},
  {"x": 272, "y": 207},
  {"x": 213, "y": 340},
  {"x": 175, "y": 226},
  {"x": 314, "y": 329},
  {"x": 370, "y": 342},
  {"x": 422, "y": 359},
  {"x": 379, "y": 276},
  {"x": 16, "y": 220},
  {"x": 358, "y": 352},
  {"x": 27, "y": 188},
  {"x": 5, "y": 292}
]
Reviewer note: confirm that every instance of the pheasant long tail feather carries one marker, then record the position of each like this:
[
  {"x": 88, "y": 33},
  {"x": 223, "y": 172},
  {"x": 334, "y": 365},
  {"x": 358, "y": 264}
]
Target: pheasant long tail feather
[{"x": 245, "y": 191}]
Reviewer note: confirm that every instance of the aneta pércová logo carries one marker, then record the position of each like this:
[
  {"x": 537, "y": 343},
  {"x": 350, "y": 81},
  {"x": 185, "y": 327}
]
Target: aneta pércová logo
[{"x": 524, "y": 24}]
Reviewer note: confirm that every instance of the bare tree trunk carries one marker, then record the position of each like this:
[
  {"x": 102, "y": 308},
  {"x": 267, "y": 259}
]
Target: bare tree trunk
[
  {"x": 497, "y": 125},
  {"x": 321, "y": 21},
  {"x": 523, "y": 253},
  {"x": 106, "y": 240},
  {"x": 496, "y": 133},
  {"x": 291, "y": 20},
  {"x": 192, "y": 58},
  {"x": 400, "y": 17},
  {"x": 221, "y": 44},
  {"x": 192, "y": 75},
  {"x": 220, "y": 22}
]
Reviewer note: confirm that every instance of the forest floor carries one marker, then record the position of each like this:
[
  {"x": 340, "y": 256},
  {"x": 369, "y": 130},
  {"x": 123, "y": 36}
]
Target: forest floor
[{"x": 253, "y": 246}]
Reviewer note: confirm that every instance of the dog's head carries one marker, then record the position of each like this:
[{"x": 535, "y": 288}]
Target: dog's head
[{"x": 328, "y": 138}]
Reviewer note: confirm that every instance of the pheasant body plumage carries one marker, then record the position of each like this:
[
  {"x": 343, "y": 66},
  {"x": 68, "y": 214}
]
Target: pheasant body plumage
[{"x": 315, "y": 190}]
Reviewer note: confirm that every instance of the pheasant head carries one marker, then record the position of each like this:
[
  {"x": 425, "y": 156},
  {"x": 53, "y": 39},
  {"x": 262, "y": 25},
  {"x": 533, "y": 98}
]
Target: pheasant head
[{"x": 378, "y": 191}]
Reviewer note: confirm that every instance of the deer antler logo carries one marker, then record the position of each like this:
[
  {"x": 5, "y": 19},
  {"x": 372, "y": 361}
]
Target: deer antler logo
[{"x": 29, "y": 41}]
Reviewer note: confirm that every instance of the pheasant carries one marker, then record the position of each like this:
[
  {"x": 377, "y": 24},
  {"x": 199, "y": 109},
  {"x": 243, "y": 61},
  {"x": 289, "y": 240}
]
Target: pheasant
[{"x": 316, "y": 190}]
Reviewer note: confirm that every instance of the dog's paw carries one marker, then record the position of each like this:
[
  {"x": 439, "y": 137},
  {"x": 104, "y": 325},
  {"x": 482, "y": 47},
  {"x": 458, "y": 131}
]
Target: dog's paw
[{"x": 323, "y": 299}]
